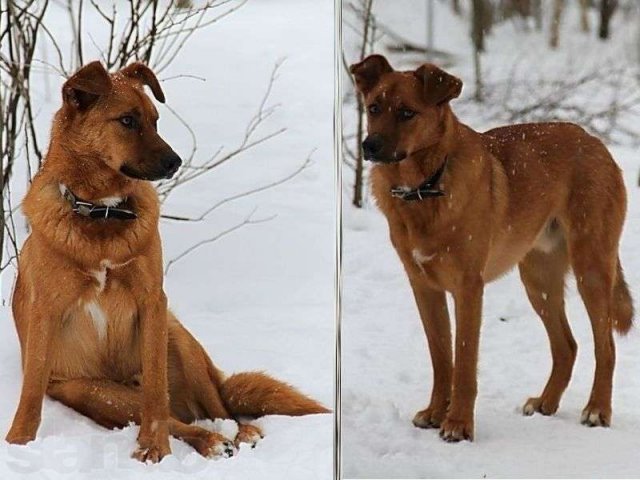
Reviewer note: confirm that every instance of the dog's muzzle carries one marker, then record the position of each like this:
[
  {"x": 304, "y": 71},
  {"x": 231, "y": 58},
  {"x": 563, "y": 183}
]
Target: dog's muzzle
[
  {"x": 373, "y": 150},
  {"x": 372, "y": 147},
  {"x": 171, "y": 163}
]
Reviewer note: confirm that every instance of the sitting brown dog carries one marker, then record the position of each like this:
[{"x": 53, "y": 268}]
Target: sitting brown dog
[
  {"x": 465, "y": 207},
  {"x": 89, "y": 306}
]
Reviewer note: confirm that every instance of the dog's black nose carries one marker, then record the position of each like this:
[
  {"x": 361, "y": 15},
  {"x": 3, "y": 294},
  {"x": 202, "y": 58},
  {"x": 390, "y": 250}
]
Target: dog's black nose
[
  {"x": 171, "y": 162},
  {"x": 372, "y": 146}
]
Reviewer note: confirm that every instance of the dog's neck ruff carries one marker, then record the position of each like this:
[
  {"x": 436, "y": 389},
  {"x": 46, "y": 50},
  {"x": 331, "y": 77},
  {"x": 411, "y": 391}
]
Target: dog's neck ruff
[
  {"x": 91, "y": 210},
  {"x": 428, "y": 188}
]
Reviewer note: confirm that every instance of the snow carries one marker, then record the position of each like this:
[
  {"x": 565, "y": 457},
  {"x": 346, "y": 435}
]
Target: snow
[
  {"x": 260, "y": 298},
  {"x": 386, "y": 369}
]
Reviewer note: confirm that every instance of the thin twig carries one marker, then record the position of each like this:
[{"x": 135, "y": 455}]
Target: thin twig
[
  {"x": 249, "y": 220},
  {"x": 247, "y": 193}
]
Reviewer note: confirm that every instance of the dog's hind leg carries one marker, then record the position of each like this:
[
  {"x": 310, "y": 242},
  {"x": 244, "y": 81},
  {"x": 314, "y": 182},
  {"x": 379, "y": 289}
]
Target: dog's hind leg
[
  {"x": 595, "y": 271},
  {"x": 195, "y": 384},
  {"x": 594, "y": 218},
  {"x": 115, "y": 405},
  {"x": 543, "y": 275}
]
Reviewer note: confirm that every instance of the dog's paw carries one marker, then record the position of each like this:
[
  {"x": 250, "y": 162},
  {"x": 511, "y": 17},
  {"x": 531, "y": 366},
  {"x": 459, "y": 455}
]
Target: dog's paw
[
  {"x": 211, "y": 444},
  {"x": 23, "y": 430},
  {"x": 22, "y": 433},
  {"x": 593, "y": 416},
  {"x": 430, "y": 417},
  {"x": 218, "y": 446},
  {"x": 456, "y": 430},
  {"x": 248, "y": 434},
  {"x": 540, "y": 405},
  {"x": 152, "y": 454},
  {"x": 19, "y": 438},
  {"x": 153, "y": 445}
]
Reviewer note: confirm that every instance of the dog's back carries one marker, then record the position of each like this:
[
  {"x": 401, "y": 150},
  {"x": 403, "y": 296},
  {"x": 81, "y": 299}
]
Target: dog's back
[{"x": 551, "y": 166}]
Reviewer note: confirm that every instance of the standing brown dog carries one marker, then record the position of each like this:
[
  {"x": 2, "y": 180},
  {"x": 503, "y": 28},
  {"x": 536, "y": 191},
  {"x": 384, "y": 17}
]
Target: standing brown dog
[
  {"x": 464, "y": 207},
  {"x": 89, "y": 306}
]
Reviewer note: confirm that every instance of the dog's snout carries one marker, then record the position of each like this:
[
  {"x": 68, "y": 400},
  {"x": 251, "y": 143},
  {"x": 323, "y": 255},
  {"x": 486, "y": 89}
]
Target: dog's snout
[
  {"x": 372, "y": 146},
  {"x": 171, "y": 162}
]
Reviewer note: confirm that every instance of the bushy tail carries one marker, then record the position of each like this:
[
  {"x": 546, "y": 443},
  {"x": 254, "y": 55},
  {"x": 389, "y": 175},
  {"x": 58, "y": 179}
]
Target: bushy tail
[
  {"x": 622, "y": 304},
  {"x": 255, "y": 394}
]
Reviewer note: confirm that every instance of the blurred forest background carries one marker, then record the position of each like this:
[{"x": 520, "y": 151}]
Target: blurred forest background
[{"x": 520, "y": 60}]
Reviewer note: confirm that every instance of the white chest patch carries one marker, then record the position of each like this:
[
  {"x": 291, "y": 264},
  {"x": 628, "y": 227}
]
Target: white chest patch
[
  {"x": 101, "y": 274},
  {"x": 419, "y": 258},
  {"x": 98, "y": 316},
  {"x": 110, "y": 201},
  {"x": 101, "y": 278}
]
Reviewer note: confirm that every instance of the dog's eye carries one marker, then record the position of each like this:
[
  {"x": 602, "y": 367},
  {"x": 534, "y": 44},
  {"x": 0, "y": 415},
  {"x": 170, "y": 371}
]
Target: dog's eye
[
  {"x": 128, "y": 121},
  {"x": 374, "y": 108},
  {"x": 406, "y": 114}
]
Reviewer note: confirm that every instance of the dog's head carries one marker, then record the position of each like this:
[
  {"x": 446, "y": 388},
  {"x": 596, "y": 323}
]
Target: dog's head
[
  {"x": 405, "y": 110},
  {"x": 111, "y": 117}
]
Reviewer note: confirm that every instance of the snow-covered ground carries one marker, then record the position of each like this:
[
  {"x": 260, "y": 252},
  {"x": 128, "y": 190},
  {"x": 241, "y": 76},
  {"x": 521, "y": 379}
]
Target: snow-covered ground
[
  {"x": 386, "y": 371},
  {"x": 259, "y": 298}
]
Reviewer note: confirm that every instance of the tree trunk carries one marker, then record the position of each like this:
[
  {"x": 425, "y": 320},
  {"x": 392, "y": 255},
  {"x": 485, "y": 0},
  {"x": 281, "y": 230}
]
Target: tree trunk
[
  {"x": 536, "y": 11},
  {"x": 607, "y": 7},
  {"x": 639, "y": 43},
  {"x": 455, "y": 4},
  {"x": 183, "y": 4},
  {"x": 430, "y": 20},
  {"x": 477, "y": 37},
  {"x": 359, "y": 180},
  {"x": 367, "y": 40},
  {"x": 584, "y": 16},
  {"x": 479, "y": 94},
  {"x": 554, "y": 40}
]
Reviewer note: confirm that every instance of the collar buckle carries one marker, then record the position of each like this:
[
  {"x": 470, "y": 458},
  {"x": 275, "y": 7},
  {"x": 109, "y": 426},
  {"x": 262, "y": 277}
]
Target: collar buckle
[
  {"x": 399, "y": 192},
  {"x": 90, "y": 210},
  {"x": 428, "y": 188},
  {"x": 83, "y": 208}
]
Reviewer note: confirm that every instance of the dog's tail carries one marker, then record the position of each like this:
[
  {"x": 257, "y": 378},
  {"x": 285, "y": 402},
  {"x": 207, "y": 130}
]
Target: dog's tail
[
  {"x": 254, "y": 394},
  {"x": 622, "y": 308}
]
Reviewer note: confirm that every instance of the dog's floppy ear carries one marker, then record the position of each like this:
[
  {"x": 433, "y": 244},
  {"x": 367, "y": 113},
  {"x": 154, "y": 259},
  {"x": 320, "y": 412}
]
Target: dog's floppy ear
[
  {"x": 85, "y": 86},
  {"x": 438, "y": 86},
  {"x": 368, "y": 72},
  {"x": 139, "y": 71}
]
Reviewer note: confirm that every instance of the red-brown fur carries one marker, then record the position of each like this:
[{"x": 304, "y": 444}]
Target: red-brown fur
[
  {"x": 545, "y": 197},
  {"x": 145, "y": 366}
]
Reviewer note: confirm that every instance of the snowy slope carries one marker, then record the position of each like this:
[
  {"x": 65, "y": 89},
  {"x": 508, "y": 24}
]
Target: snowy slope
[
  {"x": 386, "y": 371},
  {"x": 260, "y": 298}
]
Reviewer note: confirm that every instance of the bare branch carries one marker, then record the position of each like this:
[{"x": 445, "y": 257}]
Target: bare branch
[
  {"x": 191, "y": 170},
  {"x": 247, "y": 193},
  {"x": 249, "y": 220}
]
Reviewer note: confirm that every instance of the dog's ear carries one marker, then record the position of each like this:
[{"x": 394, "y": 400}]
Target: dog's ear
[
  {"x": 438, "y": 86},
  {"x": 367, "y": 73},
  {"x": 139, "y": 71},
  {"x": 85, "y": 86}
]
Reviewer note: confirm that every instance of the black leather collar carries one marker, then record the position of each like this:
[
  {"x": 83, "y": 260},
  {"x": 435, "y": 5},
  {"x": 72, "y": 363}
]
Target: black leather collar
[
  {"x": 428, "y": 188},
  {"x": 91, "y": 210}
]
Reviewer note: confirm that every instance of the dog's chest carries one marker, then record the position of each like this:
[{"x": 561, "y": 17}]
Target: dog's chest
[
  {"x": 108, "y": 301},
  {"x": 427, "y": 256},
  {"x": 102, "y": 299},
  {"x": 100, "y": 333},
  {"x": 428, "y": 262}
]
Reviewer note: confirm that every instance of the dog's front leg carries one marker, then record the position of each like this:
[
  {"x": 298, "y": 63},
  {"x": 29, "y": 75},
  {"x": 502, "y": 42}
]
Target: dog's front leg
[
  {"x": 153, "y": 439},
  {"x": 36, "y": 371},
  {"x": 458, "y": 424},
  {"x": 432, "y": 306}
]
